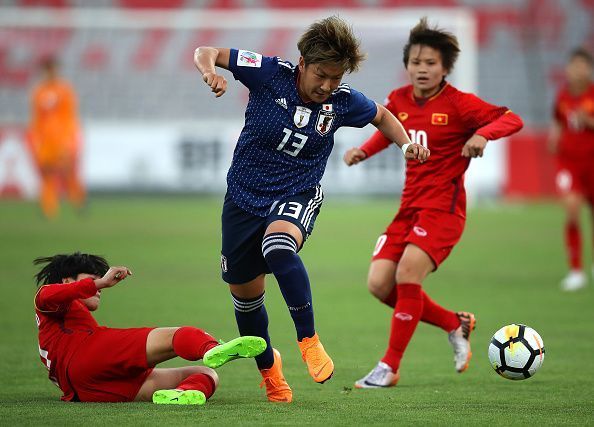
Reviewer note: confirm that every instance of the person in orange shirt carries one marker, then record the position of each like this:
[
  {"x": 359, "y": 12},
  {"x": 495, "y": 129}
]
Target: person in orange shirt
[{"x": 55, "y": 139}]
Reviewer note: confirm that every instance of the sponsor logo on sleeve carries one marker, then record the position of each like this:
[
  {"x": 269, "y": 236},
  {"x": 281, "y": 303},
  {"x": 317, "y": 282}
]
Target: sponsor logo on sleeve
[{"x": 245, "y": 58}]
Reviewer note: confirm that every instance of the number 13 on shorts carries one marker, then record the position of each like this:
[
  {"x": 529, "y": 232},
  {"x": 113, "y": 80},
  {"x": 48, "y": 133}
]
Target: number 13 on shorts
[
  {"x": 292, "y": 209},
  {"x": 300, "y": 209}
]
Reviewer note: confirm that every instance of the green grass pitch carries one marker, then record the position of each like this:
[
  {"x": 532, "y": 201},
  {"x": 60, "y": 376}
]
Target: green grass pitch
[{"x": 506, "y": 269}]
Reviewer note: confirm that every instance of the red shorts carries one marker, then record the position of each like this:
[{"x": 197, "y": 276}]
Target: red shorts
[
  {"x": 576, "y": 176},
  {"x": 110, "y": 366},
  {"x": 434, "y": 231}
]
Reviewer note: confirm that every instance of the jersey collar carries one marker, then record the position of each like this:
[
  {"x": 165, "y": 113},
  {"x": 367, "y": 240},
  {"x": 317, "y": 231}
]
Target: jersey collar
[{"x": 423, "y": 101}]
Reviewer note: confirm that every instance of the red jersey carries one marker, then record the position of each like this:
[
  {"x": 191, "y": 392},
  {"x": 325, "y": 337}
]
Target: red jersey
[
  {"x": 64, "y": 324},
  {"x": 575, "y": 143},
  {"x": 442, "y": 123}
]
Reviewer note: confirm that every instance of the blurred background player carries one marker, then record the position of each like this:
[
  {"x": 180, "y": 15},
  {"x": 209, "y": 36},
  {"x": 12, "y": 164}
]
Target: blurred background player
[
  {"x": 571, "y": 138},
  {"x": 455, "y": 126},
  {"x": 92, "y": 363},
  {"x": 55, "y": 139},
  {"x": 273, "y": 186}
]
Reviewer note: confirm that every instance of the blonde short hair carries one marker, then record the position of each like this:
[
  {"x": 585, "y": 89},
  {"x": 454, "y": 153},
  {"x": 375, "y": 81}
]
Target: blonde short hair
[{"x": 331, "y": 40}]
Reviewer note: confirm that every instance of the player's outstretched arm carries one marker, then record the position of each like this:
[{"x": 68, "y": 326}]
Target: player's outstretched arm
[
  {"x": 392, "y": 129},
  {"x": 55, "y": 298},
  {"x": 376, "y": 143},
  {"x": 206, "y": 58},
  {"x": 113, "y": 276}
]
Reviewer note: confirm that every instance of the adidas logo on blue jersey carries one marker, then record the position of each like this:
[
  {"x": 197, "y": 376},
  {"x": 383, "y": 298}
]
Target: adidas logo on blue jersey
[{"x": 282, "y": 102}]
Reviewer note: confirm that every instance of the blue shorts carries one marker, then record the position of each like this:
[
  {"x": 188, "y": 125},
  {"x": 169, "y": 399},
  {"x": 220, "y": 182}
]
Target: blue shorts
[{"x": 241, "y": 254}]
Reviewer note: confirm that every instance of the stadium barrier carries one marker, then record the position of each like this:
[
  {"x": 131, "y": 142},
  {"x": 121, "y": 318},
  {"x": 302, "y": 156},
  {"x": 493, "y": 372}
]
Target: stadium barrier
[{"x": 194, "y": 158}]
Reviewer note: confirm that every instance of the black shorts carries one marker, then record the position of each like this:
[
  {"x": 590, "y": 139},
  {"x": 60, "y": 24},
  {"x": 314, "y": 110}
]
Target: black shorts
[{"x": 241, "y": 254}]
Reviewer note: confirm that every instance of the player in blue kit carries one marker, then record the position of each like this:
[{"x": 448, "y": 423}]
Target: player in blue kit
[{"x": 273, "y": 186}]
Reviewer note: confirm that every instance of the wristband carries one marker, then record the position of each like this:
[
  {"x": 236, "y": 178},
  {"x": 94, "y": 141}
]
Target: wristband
[{"x": 404, "y": 148}]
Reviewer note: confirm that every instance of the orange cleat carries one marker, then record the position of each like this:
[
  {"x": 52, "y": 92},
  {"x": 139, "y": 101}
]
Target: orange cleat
[
  {"x": 277, "y": 388},
  {"x": 319, "y": 364}
]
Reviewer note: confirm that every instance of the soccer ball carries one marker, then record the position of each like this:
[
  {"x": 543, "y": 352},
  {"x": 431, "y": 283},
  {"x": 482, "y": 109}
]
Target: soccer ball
[{"x": 516, "y": 352}]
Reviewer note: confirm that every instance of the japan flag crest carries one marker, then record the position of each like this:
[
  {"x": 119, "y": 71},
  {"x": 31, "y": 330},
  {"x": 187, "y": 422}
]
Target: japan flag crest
[{"x": 325, "y": 120}]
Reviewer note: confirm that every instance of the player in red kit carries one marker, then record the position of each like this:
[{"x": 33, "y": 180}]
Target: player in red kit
[
  {"x": 92, "y": 363},
  {"x": 572, "y": 140},
  {"x": 455, "y": 127}
]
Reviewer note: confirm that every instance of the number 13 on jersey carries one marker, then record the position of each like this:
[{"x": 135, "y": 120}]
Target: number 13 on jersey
[{"x": 297, "y": 142}]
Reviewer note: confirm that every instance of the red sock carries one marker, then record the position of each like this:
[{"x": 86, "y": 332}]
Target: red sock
[
  {"x": 407, "y": 314},
  {"x": 390, "y": 300},
  {"x": 200, "y": 382},
  {"x": 573, "y": 244},
  {"x": 191, "y": 343},
  {"x": 433, "y": 313}
]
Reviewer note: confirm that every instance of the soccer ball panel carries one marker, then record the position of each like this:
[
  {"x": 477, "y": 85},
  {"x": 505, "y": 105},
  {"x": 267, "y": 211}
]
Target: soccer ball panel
[
  {"x": 516, "y": 355},
  {"x": 535, "y": 341},
  {"x": 536, "y": 364},
  {"x": 533, "y": 338},
  {"x": 494, "y": 356},
  {"x": 504, "y": 334},
  {"x": 507, "y": 333}
]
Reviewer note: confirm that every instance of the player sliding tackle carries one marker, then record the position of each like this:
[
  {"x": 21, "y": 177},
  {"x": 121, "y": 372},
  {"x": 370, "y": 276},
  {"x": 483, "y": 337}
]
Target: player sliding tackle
[
  {"x": 273, "y": 186},
  {"x": 92, "y": 363}
]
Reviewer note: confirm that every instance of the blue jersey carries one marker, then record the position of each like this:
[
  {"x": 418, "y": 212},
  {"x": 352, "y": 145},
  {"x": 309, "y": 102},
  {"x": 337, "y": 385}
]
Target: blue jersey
[{"x": 285, "y": 143}]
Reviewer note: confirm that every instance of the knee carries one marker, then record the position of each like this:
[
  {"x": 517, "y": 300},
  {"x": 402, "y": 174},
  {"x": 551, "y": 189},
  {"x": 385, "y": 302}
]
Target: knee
[
  {"x": 279, "y": 251},
  {"x": 573, "y": 205},
  {"x": 573, "y": 216},
  {"x": 408, "y": 273},
  {"x": 572, "y": 211},
  {"x": 379, "y": 288}
]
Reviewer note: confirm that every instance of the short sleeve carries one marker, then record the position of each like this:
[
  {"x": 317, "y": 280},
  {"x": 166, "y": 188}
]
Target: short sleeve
[
  {"x": 251, "y": 68},
  {"x": 362, "y": 110}
]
